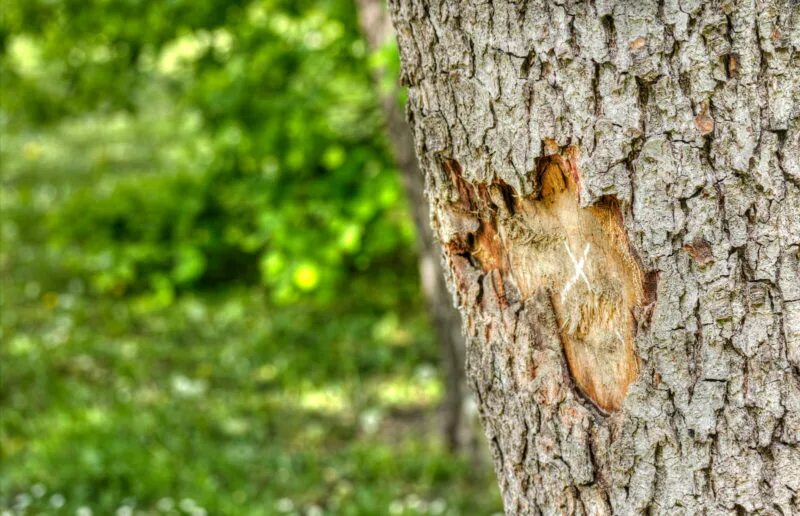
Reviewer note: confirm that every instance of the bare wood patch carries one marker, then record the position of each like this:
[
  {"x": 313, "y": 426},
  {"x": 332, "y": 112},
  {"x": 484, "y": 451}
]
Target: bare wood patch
[{"x": 582, "y": 256}]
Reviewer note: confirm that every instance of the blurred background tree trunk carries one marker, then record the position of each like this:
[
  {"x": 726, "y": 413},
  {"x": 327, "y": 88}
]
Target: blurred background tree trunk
[
  {"x": 459, "y": 428},
  {"x": 616, "y": 186}
]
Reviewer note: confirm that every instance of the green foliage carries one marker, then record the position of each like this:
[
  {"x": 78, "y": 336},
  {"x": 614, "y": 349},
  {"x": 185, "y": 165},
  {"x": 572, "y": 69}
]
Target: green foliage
[
  {"x": 209, "y": 297},
  {"x": 283, "y": 175}
]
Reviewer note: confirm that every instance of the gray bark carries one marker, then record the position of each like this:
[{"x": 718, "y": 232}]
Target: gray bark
[
  {"x": 615, "y": 186},
  {"x": 458, "y": 425}
]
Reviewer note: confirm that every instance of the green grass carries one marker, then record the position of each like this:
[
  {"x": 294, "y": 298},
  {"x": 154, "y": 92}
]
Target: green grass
[{"x": 106, "y": 405}]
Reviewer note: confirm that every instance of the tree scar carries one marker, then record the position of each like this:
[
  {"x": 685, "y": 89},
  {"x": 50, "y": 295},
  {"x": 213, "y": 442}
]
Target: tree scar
[{"x": 582, "y": 256}]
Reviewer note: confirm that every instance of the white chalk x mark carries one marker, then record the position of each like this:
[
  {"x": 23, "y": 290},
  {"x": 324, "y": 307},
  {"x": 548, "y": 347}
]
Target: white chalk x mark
[{"x": 579, "y": 265}]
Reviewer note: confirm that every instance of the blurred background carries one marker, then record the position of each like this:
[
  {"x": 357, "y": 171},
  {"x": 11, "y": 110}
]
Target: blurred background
[{"x": 211, "y": 296}]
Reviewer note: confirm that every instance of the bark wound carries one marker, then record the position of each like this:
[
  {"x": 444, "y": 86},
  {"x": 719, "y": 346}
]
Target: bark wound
[
  {"x": 580, "y": 255},
  {"x": 700, "y": 250}
]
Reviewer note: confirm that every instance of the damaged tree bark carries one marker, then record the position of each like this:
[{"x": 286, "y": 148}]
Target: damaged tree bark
[{"x": 616, "y": 189}]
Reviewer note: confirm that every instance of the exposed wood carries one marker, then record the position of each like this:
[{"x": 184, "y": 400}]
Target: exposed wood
[{"x": 582, "y": 256}]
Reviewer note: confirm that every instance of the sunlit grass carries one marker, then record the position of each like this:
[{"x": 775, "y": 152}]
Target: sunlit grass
[{"x": 111, "y": 406}]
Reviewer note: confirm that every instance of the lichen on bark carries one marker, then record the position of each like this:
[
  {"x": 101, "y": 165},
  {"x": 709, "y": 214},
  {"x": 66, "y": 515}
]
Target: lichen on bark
[{"x": 683, "y": 113}]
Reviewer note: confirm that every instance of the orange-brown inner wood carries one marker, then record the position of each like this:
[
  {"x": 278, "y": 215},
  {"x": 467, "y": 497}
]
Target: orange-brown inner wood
[{"x": 581, "y": 255}]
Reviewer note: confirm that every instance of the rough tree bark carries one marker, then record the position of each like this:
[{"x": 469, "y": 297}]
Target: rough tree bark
[
  {"x": 616, "y": 189},
  {"x": 458, "y": 426}
]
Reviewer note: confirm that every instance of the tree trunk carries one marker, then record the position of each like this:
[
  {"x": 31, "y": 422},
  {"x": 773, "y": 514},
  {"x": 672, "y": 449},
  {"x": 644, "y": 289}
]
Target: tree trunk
[
  {"x": 616, "y": 189},
  {"x": 458, "y": 426}
]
